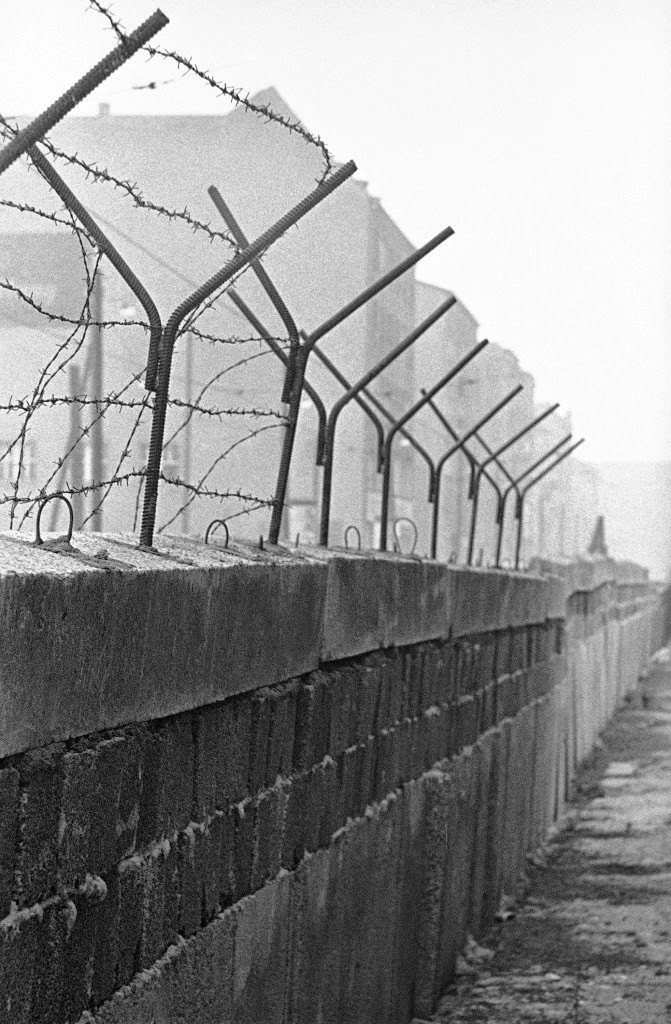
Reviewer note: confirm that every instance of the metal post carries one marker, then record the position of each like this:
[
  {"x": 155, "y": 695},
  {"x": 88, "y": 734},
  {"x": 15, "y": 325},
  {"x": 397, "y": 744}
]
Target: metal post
[
  {"x": 459, "y": 446},
  {"x": 267, "y": 285},
  {"x": 97, "y": 392},
  {"x": 23, "y": 140},
  {"x": 519, "y": 513},
  {"x": 187, "y": 306},
  {"x": 501, "y": 511},
  {"x": 74, "y": 435},
  {"x": 281, "y": 355},
  {"x": 386, "y": 479},
  {"x": 499, "y": 451},
  {"x": 289, "y": 323},
  {"x": 304, "y": 354},
  {"x": 67, "y": 196},
  {"x": 375, "y": 401},
  {"x": 331, "y": 424}
]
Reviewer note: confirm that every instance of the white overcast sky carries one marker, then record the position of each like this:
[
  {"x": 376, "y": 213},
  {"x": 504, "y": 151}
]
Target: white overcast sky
[{"x": 538, "y": 128}]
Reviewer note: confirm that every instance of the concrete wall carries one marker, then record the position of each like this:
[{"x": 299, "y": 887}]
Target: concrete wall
[{"x": 260, "y": 786}]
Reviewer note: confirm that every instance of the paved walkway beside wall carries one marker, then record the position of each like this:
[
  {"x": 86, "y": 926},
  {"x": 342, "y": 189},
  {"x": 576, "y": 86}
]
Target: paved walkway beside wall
[{"x": 591, "y": 942}]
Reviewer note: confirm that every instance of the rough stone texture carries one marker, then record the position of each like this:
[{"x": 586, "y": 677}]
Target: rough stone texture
[
  {"x": 274, "y": 850},
  {"x": 106, "y": 636},
  {"x": 591, "y": 941}
]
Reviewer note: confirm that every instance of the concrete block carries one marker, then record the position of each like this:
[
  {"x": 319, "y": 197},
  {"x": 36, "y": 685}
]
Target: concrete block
[
  {"x": 436, "y": 840},
  {"x": 313, "y": 722},
  {"x": 270, "y": 809},
  {"x": 21, "y": 950},
  {"x": 261, "y": 957},
  {"x": 258, "y": 745},
  {"x": 369, "y": 682},
  {"x": 493, "y": 871},
  {"x": 167, "y": 760},
  {"x": 79, "y": 959},
  {"x": 113, "y": 802},
  {"x": 411, "y": 809},
  {"x": 103, "y": 978},
  {"x": 317, "y": 927},
  {"x": 47, "y": 980},
  {"x": 382, "y": 601},
  {"x": 235, "y": 727},
  {"x": 9, "y": 835},
  {"x": 78, "y": 769},
  {"x": 369, "y": 873},
  {"x": 243, "y": 847},
  {"x": 198, "y": 984},
  {"x": 482, "y": 760},
  {"x": 41, "y": 782},
  {"x": 132, "y": 883},
  {"x": 459, "y": 866},
  {"x": 222, "y": 621},
  {"x": 191, "y": 858},
  {"x": 192, "y": 981}
]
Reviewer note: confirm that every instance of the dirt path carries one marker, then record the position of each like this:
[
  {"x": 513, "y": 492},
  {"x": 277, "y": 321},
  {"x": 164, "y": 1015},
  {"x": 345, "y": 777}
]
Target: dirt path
[{"x": 591, "y": 942}]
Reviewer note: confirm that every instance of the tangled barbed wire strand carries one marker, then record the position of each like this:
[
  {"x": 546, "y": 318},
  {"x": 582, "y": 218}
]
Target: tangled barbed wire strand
[{"x": 70, "y": 334}]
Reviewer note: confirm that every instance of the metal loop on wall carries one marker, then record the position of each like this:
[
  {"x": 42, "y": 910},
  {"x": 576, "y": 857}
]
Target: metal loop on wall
[
  {"x": 212, "y": 527},
  {"x": 40, "y": 507},
  {"x": 357, "y": 531},
  {"x": 411, "y": 523}
]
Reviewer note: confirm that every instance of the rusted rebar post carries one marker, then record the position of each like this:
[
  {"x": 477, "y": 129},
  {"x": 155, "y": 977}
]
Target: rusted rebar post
[
  {"x": 38, "y": 128},
  {"x": 514, "y": 486},
  {"x": 304, "y": 354},
  {"x": 499, "y": 451},
  {"x": 519, "y": 511},
  {"x": 67, "y": 196},
  {"x": 267, "y": 285},
  {"x": 187, "y": 306},
  {"x": 277, "y": 349},
  {"x": 457, "y": 447},
  {"x": 412, "y": 411},
  {"x": 332, "y": 422}
]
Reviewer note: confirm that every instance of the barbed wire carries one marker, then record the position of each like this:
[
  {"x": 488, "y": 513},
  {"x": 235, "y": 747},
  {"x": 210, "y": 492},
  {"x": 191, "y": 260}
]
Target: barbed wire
[
  {"x": 47, "y": 429},
  {"x": 262, "y": 110}
]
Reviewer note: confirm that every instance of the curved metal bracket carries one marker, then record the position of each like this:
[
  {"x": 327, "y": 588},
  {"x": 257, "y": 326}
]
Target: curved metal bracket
[
  {"x": 212, "y": 527},
  {"x": 40, "y": 508},
  {"x": 357, "y": 531}
]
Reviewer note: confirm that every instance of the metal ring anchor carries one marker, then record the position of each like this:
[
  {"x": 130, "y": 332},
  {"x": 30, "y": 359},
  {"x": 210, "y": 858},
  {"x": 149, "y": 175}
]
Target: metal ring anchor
[
  {"x": 397, "y": 545},
  {"x": 212, "y": 527},
  {"x": 40, "y": 507},
  {"x": 357, "y": 531}
]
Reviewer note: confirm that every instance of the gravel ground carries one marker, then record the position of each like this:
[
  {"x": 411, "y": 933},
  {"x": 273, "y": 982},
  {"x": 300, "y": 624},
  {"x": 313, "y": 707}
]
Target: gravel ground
[{"x": 590, "y": 940}]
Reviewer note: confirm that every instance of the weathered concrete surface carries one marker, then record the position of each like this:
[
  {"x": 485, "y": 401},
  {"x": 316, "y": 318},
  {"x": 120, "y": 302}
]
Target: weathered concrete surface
[
  {"x": 109, "y": 636},
  {"x": 591, "y": 943}
]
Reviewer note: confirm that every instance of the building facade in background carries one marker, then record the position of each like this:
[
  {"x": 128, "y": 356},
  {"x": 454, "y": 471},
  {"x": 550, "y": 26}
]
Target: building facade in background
[{"x": 336, "y": 252}]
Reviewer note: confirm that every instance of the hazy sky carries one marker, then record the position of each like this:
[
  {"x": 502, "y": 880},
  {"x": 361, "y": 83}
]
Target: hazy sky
[{"x": 538, "y": 128}]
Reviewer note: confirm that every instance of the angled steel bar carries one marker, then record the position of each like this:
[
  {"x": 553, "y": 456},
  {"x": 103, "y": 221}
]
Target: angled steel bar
[
  {"x": 292, "y": 330},
  {"x": 375, "y": 401},
  {"x": 284, "y": 358},
  {"x": 386, "y": 478},
  {"x": 267, "y": 285},
  {"x": 302, "y": 361},
  {"x": 187, "y": 306},
  {"x": 45, "y": 121},
  {"x": 513, "y": 486},
  {"x": 519, "y": 512},
  {"x": 499, "y": 451},
  {"x": 332, "y": 421},
  {"x": 67, "y": 196},
  {"x": 379, "y": 285},
  {"x": 459, "y": 445}
]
